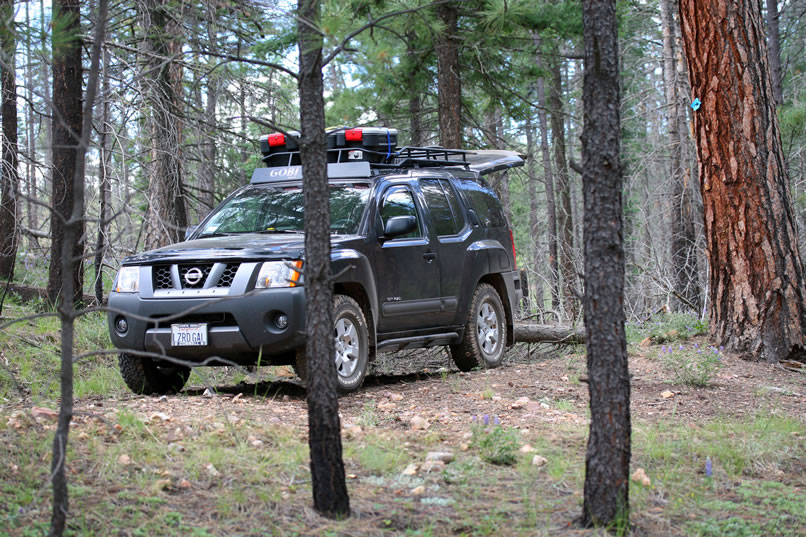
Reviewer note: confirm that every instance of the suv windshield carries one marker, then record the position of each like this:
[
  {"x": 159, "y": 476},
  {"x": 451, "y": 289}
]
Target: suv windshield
[{"x": 263, "y": 209}]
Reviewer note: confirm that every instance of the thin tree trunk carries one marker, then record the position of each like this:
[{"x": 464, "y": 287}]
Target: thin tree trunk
[
  {"x": 565, "y": 224},
  {"x": 9, "y": 176},
  {"x": 324, "y": 431},
  {"x": 756, "y": 285},
  {"x": 30, "y": 168},
  {"x": 534, "y": 225},
  {"x": 210, "y": 124},
  {"x": 683, "y": 243},
  {"x": 67, "y": 79},
  {"x": 607, "y": 462},
  {"x": 104, "y": 190},
  {"x": 73, "y": 230},
  {"x": 449, "y": 82},
  {"x": 167, "y": 218},
  {"x": 774, "y": 43},
  {"x": 47, "y": 117},
  {"x": 551, "y": 207}
]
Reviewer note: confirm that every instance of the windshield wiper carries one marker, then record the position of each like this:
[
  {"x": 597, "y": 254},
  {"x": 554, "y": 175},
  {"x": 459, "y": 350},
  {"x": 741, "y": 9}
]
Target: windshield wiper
[
  {"x": 214, "y": 234},
  {"x": 270, "y": 231}
]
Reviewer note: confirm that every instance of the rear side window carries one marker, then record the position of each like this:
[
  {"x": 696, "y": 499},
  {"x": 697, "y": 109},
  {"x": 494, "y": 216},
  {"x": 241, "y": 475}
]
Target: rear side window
[
  {"x": 444, "y": 207},
  {"x": 484, "y": 203}
]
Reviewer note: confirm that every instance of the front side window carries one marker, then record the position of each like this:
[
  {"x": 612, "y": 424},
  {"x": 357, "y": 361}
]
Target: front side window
[
  {"x": 262, "y": 209},
  {"x": 398, "y": 201}
]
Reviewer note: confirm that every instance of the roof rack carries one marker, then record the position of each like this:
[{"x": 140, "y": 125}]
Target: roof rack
[{"x": 377, "y": 146}]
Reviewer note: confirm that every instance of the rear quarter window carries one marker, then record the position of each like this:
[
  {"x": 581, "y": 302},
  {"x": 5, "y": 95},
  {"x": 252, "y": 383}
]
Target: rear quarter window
[{"x": 484, "y": 202}]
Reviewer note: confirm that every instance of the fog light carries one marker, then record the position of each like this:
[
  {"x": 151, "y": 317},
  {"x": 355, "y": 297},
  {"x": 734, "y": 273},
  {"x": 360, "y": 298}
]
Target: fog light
[
  {"x": 121, "y": 325},
  {"x": 281, "y": 321}
]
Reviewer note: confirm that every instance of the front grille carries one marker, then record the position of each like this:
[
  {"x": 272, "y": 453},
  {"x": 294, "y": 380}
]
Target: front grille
[
  {"x": 222, "y": 275},
  {"x": 228, "y": 275},
  {"x": 162, "y": 277}
]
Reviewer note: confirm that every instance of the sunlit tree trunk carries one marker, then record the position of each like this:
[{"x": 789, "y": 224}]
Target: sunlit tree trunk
[
  {"x": 607, "y": 462},
  {"x": 755, "y": 272}
]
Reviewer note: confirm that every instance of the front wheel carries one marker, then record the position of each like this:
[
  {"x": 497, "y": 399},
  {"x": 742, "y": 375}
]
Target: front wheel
[
  {"x": 485, "y": 338},
  {"x": 145, "y": 376},
  {"x": 351, "y": 346}
]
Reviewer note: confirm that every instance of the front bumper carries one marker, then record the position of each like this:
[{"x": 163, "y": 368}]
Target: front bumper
[{"x": 239, "y": 328}]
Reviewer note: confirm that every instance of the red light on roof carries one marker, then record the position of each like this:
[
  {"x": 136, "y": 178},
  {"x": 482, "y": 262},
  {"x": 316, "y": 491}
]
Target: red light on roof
[
  {"x": 276, "y": 139},
  {"x": 353, "y": 135}
]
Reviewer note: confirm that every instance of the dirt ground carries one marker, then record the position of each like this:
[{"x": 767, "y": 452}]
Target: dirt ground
[{"x": 536, "y": 384}]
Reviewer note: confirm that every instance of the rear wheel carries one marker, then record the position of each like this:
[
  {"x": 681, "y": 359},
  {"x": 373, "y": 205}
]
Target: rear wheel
[
  {"x": 351, "y": 346},
  {"x": 145, "y": 376},
  {"x": 485, "y": 336}
]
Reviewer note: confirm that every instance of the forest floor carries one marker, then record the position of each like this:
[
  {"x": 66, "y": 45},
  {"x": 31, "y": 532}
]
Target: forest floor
[{"x": 727, "y": 458}]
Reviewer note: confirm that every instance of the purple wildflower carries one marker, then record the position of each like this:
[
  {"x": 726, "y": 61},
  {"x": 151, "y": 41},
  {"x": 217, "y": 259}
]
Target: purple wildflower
[
  {"x": 485, "y": 419},
  {"x": 709, "y": 467},
  {"x": 496, "y": 421}
]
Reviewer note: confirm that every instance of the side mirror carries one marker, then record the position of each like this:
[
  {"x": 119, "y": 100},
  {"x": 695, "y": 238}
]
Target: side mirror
[
  {"x": 189, "y": 231},
  {"x": 399, "y": 225}
]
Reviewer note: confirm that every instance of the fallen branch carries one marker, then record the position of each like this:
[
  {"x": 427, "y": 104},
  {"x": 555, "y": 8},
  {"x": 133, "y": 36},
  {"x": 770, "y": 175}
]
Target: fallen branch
[{"x": 548, "y": 333}]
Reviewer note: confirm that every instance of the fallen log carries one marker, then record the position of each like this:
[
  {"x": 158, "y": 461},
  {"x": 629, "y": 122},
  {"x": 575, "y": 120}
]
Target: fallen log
[
  {"x": 29, "y": 292},
  {"x": 548, "y": 333}
]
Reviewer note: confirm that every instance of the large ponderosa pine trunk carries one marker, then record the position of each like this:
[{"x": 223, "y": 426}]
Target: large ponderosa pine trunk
[
  {"x": 324, "y": 430},
  {"x": 755, "y": 271},
  {"x": 9, "y": 177},
  {"x": 67, "y": 122},
  {"x": 607, "y": 462}
]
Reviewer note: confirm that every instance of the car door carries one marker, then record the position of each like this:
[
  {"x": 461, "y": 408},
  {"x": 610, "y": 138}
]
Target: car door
[
  {"x": 450, "y": 231},
  {"x": 407, "y": 271}
]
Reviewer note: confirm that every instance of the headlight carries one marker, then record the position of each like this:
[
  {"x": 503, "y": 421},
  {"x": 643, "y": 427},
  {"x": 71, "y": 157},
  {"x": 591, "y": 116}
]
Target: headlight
[
  {"x": 128, "y": 280},
  {"x": 278, "y": 274}
]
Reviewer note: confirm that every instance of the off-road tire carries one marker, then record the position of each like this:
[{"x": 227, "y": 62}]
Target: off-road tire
[
  {"x": 485, "y": 337},
  {"x": 144, "y": 376},
  {"x": 352, "y": 346}
]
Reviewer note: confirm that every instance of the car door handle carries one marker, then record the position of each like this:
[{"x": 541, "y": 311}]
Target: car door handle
[{"x": 430, "y": 256}]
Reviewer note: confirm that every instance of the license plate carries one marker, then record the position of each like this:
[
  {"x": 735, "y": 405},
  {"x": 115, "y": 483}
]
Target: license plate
[{"x": 189, "y": 335}]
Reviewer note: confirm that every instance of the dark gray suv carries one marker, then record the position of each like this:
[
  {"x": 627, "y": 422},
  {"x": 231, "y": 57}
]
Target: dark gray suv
[{"x": 421, "y": 252}]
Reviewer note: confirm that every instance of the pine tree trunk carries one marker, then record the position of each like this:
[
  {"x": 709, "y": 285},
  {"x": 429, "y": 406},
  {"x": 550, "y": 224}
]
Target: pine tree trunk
[
  {"x": 607, "y": 462},
  {"x": 67, "y": 79},
  {"x": 565, "y": 223},
  {"x": 9, "y": 178},
  {"x": 324, "y": 430},
  {"x": 167, "y": 214},
  {"x": 774, "y": 43},
  {"x": 536, "y": 293},
  {"x": 756, "y": 288},
  {"x": 551, "y": 207},
  {"x": 449, "y": 82},
  {"x": 684, "y": 238},
  {"x": 104, "y": 191}
]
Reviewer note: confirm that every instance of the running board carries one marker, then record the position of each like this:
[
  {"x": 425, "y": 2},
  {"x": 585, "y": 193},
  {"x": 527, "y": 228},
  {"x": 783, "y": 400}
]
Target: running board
[{"x": 417, "y": 342}]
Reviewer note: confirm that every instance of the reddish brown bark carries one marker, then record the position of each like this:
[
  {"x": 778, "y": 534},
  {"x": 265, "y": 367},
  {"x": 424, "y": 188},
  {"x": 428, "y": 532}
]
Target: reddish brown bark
[{"x": 756, "y": 279}]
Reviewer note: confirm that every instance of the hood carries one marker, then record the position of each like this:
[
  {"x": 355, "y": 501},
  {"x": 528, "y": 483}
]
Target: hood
[{"x": 248, "y": 246}]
